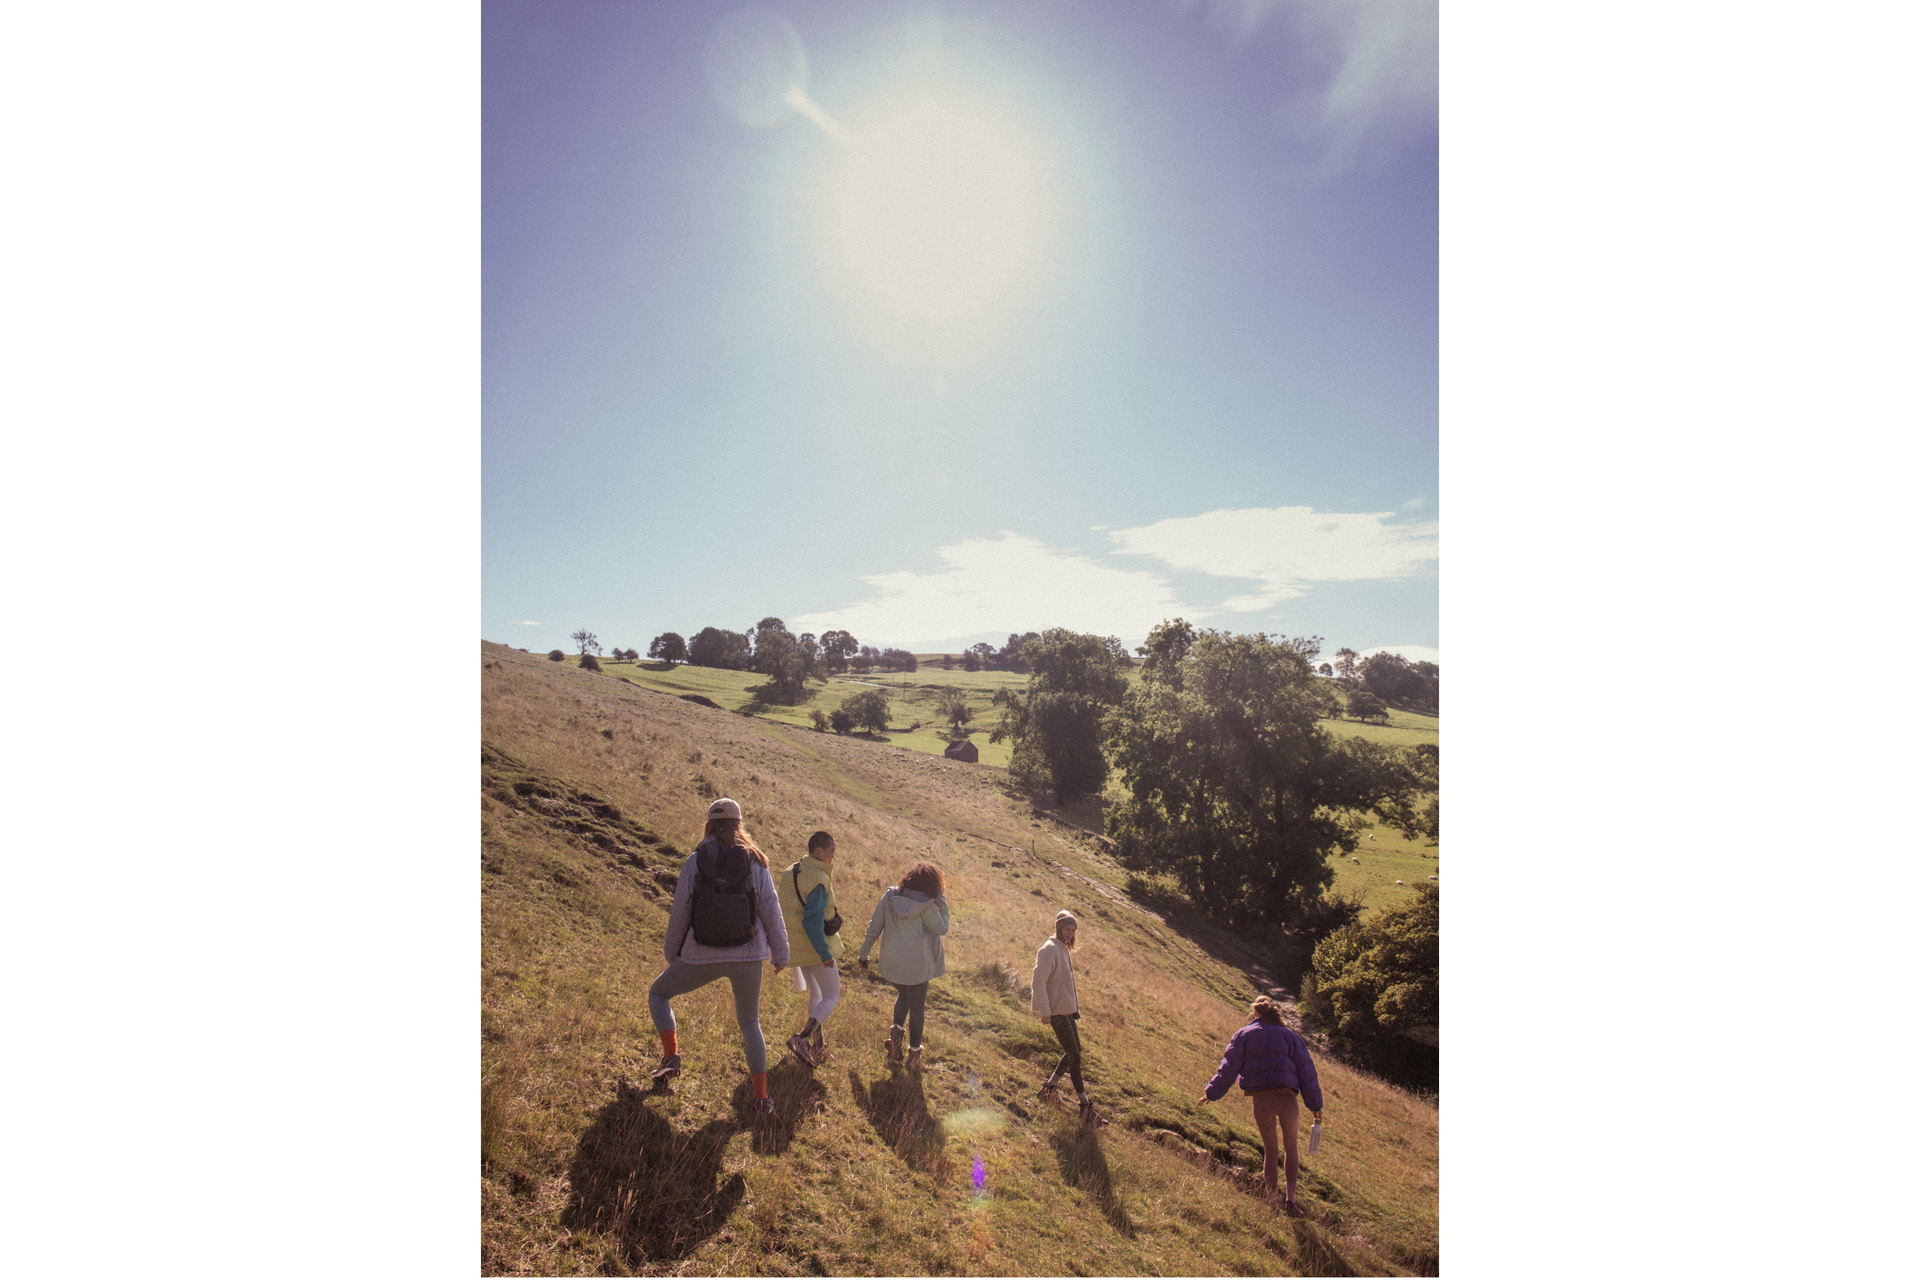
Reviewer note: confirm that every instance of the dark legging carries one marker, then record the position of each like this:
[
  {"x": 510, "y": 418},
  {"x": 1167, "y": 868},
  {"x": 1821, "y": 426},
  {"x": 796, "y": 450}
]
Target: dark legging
[
  {"x": 1069, "y": 1033},
  {"x": 910, "y": 1010}
]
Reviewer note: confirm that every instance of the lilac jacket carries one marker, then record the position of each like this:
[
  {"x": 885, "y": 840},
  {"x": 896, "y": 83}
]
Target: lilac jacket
[
  {"x": 1266, "y": 1055},
  {"x": 769, "y": 940}
]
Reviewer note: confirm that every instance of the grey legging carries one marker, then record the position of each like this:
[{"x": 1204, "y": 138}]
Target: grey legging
[
  {"x": 910, "y": 1010},
  {"x": 682, "y": 977}
]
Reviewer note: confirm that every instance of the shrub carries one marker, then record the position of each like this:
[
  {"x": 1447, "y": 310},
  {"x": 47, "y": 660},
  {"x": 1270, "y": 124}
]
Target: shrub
[
  {"x": 841, "y": 721},
  {"x": 589, "y": 663},
  {"x": 1375, "y": 987},
  {"x": 819, "y": 720},
  {"x": 556, "y": 656}
]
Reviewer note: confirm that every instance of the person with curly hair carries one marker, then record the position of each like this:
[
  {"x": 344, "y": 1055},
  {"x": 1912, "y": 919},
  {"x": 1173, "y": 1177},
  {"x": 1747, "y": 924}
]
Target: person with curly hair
[{"x": 909, "y": 921}]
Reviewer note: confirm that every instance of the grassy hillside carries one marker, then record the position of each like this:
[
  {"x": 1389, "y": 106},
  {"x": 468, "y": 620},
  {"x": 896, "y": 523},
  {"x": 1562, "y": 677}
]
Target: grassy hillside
[{"x": 592, "y": 792}]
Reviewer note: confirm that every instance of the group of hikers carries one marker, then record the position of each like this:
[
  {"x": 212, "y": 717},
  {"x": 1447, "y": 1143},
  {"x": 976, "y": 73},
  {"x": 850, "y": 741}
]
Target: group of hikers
[{"x": 731, "y": 914}]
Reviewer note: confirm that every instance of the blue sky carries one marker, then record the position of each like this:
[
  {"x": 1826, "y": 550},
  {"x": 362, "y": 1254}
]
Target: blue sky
[{"x": 937, "y": 322}]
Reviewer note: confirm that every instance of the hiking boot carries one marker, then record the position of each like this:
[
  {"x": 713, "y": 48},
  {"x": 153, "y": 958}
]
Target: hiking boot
[
  {"x": 669, "y": 1068},
  {"x": 763, "y": 1107},
  {"x": 799, "y": 1048},
  {"x": 1051, "y": 1089},
  {"x": 1088, "y": 1115},
  {"x": 913, "y": 1058},
  {"x": 819, "y": 1053},
  {"x": 895, "y": 1038}
]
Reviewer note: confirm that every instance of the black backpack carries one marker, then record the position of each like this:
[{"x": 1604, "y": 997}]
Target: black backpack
[{"x": 724, "y": 902}]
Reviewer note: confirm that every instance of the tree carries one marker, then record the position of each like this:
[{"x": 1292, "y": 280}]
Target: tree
[
  {"x": 760, "y": 632},
  {"x": 946, "y": 661},
  {"x": 1377, "y": 982},
  {"x": 668, "y": 647},
  {"x": 1362, "y": 705},
  {"x": 836, "y": 647},
  {"x": 970, "y": 660},
  {"x": 778, "y": 657},
  {"x": 952, "y": 707},
  {"x": 819, "y": 720},
  {"x": 1326, "y": 669},
  {"x": 1232, "y": 786},
  {"x": 1055, "y": 724},
  {"x": 898, "y": 660},
  {"x": 868, "y": 709},
  {"x": 1394, "y": 679},
  {"x": 586, "y": 640},
  {"x": 1010, "y": 655},
  {"x": 556, "y": 656},
  {"x": 713, "y": 647},
  {"x": 1345, "y": 662},
  {"x": 840, "y": 720},
  {"x": 810, "y": 654}
]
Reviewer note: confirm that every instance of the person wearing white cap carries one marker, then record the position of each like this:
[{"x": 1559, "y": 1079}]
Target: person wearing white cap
[
  {"x": 725, "y": 923},
  {"x": 1058, "y": 1005}
]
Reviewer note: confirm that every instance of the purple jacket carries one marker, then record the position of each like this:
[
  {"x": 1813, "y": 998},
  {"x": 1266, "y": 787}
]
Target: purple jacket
[{"x": 1265, "y": 1055}]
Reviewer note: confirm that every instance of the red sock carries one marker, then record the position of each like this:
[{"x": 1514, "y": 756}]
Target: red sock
[
  {"x": 759, "y": 1084},
  {"x": 669, "y": 1042}
]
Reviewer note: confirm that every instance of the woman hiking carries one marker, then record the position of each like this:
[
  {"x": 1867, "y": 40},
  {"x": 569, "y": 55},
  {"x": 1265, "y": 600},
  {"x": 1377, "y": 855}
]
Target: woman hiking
[
  {"x": 909, "y": 920},
  {"x": 812, "y": 918},
  {"x": 725, "y": 922},
  {"x": 1276, "y": 1071},
  {"x": 1058, "y": 1005}
]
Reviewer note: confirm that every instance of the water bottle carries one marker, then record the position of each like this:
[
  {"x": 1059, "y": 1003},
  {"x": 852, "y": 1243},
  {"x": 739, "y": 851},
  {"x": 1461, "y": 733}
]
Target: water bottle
[{"x": 1313, "y": 1139}]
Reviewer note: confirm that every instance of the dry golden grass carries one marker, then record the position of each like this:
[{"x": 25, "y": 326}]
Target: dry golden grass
[{"x": 593, "y": 792}]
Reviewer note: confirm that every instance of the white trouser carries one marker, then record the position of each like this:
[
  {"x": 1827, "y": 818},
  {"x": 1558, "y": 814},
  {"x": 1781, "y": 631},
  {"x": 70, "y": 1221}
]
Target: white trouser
[{"x": 822, "y": 985}]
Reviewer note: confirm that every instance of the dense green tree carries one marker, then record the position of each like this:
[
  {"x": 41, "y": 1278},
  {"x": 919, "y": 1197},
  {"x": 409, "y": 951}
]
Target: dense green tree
[
  {"x": 970, "y": 660},
  {"x": 1055, "y": 724},
  {"x": 668, "y": 646},
  {"x": 1232, "y": 786},
  {"x": 840, "y": 720},
  {"x": 810, "y": 654},
  {"x": 836, "y": 647},
  {"x": 1380, "y": 978},
  {"x": 714, "y": 647},
  {"x": 869, "y": 709},
  {"x": 778, "y": 657},
  {"x": 898, "y": 660},
  {"x": 1362, "y": 705},
  {"x": 1392, "y": 678}
]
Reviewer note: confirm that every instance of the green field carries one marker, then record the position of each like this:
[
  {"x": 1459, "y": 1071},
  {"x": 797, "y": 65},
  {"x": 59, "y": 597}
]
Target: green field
[
  {"x": 915, "y": 725},
  {"x": 592, "y": 791}
]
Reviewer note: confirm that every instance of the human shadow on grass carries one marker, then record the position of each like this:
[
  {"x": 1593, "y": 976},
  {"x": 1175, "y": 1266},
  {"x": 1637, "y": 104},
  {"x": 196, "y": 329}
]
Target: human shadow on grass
[
  {"x": 1084, "y": 1165},
  {"x": 896, "y": 1107},
  {"x": 1314, "y": 1253},
  {"x": 796, "y": 1095},
  {"x": 659, "y": 1192}
]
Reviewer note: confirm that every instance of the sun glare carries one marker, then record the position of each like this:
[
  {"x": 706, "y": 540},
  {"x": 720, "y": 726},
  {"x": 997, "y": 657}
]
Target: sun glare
[{"x": 939, "y": 208}]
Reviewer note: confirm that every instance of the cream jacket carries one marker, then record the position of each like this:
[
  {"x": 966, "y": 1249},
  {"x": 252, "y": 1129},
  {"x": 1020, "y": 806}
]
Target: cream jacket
[{"x": 1053, "y": 991}]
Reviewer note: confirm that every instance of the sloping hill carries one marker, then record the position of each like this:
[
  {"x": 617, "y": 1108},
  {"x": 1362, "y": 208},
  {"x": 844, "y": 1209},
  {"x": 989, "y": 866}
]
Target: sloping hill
[{"x": 593, "y": 790}]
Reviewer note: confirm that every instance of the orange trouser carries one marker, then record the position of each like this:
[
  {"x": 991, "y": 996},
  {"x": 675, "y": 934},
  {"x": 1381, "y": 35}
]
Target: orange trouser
[{"x": 1279, "y": 1108}]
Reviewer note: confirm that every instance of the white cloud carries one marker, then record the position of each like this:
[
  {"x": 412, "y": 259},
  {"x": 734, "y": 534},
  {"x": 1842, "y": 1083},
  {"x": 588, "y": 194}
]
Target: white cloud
[
  {"x": 1285, "y": 548},
  {"x": 527, "y": 622},
  {"x": 1412, "y": 504},
  {"x": 1411, "y": 652},
  {"x": 991, "y": 586}
]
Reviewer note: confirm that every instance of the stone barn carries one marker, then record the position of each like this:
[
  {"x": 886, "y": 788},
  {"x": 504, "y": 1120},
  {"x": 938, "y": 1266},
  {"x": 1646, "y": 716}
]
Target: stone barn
[{"x": 963, "y": 750}]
